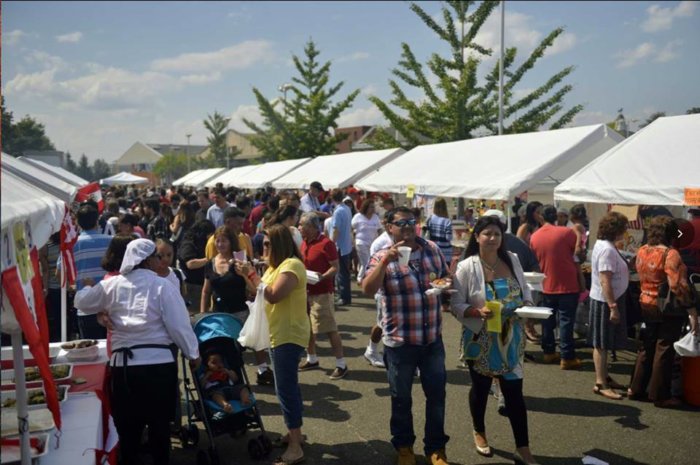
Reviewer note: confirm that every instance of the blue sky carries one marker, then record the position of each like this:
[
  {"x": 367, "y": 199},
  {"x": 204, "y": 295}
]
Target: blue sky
[{"x": 103, "y": 75}]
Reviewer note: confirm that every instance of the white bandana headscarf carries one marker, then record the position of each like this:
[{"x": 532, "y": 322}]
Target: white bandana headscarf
[{"x": 136, "y": 251}]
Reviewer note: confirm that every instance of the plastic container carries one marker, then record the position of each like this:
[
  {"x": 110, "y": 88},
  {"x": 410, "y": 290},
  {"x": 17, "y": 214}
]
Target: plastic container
[{"x": 691, "y": 380}]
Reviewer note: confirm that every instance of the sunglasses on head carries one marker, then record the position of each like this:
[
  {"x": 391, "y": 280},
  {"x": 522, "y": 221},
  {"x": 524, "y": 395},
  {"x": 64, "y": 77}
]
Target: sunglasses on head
[
  {"x": 402, "y": 223},
  {"x": 266, "y": 243}
]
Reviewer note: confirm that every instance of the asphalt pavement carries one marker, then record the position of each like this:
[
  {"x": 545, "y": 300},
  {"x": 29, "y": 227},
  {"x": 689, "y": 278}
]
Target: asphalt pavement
[{"x": 347, "y": 421}]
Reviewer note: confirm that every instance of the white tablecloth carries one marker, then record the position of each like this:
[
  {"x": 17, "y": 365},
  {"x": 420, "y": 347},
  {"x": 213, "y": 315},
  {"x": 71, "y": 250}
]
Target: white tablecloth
[{"x": 81, "y": 415}]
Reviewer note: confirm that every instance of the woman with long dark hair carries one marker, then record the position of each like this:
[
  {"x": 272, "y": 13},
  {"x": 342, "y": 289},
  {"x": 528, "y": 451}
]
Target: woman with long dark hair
[
  {"x": 490, "y": 284},
  {"x": 533, "y": 221}
]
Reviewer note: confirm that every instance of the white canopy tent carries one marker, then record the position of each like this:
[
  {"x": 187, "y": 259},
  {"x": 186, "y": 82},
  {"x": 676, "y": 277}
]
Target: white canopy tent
[
  {"x": 57, "y": 171},
  {"x": 38, "y": 215},
  {"x": 269, "y": 172},
  {"x": 337, "y": 171},
  {"x": 201, "y": 178},
  {"x": 36, "y": 177},
  {"x": 181, "y": 181},
  {"x": 232, "y": 176},
  {"x": 655, "y": 166},
  {"x": 494, "y": 167},
  {"x": 123, "y": 178}
]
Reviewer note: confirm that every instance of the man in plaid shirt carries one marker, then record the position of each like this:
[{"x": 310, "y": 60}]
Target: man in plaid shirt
[{"x": 412, "y": 326}]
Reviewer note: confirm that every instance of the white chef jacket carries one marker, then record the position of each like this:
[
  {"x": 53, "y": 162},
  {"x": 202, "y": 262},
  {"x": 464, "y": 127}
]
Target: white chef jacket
[{"x": 144, "y": 309}]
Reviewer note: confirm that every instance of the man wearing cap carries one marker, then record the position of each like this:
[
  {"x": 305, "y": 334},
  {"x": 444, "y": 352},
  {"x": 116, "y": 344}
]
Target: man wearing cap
[
  {"x": 310, "y": 202},
  {"x": 149, "y": 322}
]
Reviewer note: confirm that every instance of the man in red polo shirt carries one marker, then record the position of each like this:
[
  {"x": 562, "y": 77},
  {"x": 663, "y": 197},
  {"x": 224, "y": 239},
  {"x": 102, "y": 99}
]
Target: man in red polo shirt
[
  {"x": 320, "y": 255},
  {"x": 554, "y": 248}
]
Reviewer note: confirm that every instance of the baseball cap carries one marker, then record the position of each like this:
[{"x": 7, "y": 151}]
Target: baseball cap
[
  {"x": 563, "y": 210},
  {"x": 316, "y": 185},
  {"x": 501, "y": 216}
]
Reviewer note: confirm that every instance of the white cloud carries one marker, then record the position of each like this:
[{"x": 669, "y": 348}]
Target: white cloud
[
  {"x": 107, "y": 89},
  {"x": 201, "y": 78},
  {"x": 632, "y": 57},
  {"x": 353, "y": 57},
  {"x": 661, "y": 19},
  {"x": 249, "y": 112},
  {"x": 13, "y": 37},
  {"x": 239, "y": 56},
  {"x": 586, "y": 118},
  {"x": 44, "y": 60},
  {"x": 369, "y": 89},
  {"x": 649, "y": 51},
  {"x": 566, "y": 41},
  {"x": 361, "y": 117},
  {"x": 242, "y": 15},
  {"x": 71, "y": 37},
  {"x": 669, "y": 52}
]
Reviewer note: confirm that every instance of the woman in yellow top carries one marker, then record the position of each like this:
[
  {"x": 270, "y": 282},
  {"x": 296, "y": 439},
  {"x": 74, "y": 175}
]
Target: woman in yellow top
[{"x": 285, "y": 305}]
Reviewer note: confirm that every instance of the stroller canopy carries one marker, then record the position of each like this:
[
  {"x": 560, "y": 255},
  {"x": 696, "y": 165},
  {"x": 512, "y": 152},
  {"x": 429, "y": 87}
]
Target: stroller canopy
[{"x": 215, "y": 325}]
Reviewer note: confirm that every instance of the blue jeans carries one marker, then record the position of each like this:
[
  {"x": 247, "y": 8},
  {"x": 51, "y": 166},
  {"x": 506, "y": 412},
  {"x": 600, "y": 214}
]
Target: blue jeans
[
  {"x": 342, "y": 279},
  {"x": 401, "y": 363},
  {"x": 285, "y": 363},
  {"x": 565, "y": 305}
]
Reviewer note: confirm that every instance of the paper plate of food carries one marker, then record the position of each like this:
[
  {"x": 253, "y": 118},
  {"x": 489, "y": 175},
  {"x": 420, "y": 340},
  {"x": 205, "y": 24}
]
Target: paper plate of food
[
  {"x": 532, "y": 277},
  {"x": 60, "y": 372},
  {"x": 442, "y": 285},
  {"x": 538, "y": 313},
  {"x": 81, "y": 350}
]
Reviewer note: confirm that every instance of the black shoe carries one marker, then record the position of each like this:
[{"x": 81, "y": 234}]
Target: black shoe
[
  {"x": 339, "y": 373},
  {"x": 266, "y": 378},
  {"x": 306, "y": 365}
]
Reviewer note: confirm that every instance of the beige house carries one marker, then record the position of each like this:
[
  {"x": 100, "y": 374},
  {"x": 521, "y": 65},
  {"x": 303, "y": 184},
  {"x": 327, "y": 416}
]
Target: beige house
[
  {"x": 142, "y": 156},
  {"x": 239, "y": 141}
]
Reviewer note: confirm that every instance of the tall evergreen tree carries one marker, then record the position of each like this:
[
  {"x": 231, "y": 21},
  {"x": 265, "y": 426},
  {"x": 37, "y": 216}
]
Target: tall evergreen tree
[
  {"x": 84, "y": 170},
  {"x": 170, "y": 167},
  {"x": 100, "y": 169},
  {"x": 70, "y": 164},
  {"x": 26, "y": 134},
  {"x": 458, "y": 107},
  {"x": 301, "y": 126},
  {"x": 217, "y": 124}
]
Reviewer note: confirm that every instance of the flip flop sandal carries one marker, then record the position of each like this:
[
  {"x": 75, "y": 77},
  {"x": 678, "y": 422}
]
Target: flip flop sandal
[
  {"x": 606, "y": 391},
  {"x": 282, "y": 441},
  {"x": 614, "y": 384}
]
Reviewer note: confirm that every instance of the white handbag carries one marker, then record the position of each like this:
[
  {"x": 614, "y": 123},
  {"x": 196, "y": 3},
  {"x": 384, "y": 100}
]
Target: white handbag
[{"x": 255, "y": 333}]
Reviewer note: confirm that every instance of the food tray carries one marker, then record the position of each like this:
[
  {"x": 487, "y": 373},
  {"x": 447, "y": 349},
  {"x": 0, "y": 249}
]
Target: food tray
[
  {"x": 532, "y": 277},
  {"x": 39, "y": 420},
  {"x": 312, "y": 277},
  {"x": 81, "y": 354},
  {"x": 8, "y": 376},
  {"x": 7, "y": 396},
  {"x": 538, "y": 313},
  {"x": 27, "y": 355},
  {"x": 10, "y": 448}
]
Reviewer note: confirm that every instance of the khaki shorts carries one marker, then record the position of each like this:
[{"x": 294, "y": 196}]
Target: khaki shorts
[{"x": 322, "y": 313}]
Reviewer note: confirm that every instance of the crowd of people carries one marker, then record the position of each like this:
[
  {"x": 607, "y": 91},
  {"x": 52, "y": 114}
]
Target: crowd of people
[{"x": 155, "y": 258}]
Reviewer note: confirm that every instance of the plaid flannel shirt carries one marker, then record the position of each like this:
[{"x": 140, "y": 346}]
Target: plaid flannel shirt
[{"x": 408, "y": 315}]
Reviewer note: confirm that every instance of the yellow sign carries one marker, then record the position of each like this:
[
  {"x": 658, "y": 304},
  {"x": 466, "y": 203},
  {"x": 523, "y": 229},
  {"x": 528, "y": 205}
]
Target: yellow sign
[
  {"x": 22, "y": 253},
  {"x": 692, "y": 196},
  {"x": 410, "y": 191}
]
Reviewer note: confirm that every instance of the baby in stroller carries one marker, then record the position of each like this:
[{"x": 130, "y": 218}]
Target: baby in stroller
[{"x": 222, "y": 384}]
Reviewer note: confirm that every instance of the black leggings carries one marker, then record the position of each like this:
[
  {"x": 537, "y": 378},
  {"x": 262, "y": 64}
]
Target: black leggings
[{"x": 512, "y": 390}]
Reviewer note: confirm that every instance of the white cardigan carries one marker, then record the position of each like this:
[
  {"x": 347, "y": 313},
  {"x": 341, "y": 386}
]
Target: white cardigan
[{"x": 470, "y": 286}]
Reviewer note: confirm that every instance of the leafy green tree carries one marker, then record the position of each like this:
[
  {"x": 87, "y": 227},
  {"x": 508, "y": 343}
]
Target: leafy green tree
[
  {"x": 303, "y": 125},
  {"x": 6, "y": 124},
  {"x": 84, "y": 170},
  {"x": 26, "y": 134},
  {"x": 100, "y": 170},
  {"x": 170, "y": 167},
  {"x": 70, "y": 164},
  {"x": 653, "y": 117},
  {"x": 457, "y": 106},
  {"x": 217, "y": 124},
  {"x": 692, "y": 111}
]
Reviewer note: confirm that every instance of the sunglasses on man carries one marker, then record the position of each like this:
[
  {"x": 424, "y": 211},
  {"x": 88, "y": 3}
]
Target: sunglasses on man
[{"x": 404, "y": 223}]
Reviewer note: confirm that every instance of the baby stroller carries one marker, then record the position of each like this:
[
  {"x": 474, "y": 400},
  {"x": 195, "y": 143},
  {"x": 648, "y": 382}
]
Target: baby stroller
[{"x": 219, "y": 332}]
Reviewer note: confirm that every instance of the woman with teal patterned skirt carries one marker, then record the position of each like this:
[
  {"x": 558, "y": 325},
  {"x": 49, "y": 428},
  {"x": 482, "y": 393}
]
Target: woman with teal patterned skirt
[{"x": 490, "y": 286}]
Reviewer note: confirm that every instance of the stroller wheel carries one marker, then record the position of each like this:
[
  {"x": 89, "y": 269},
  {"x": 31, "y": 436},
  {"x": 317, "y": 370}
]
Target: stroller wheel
[
  {"x": 255, "y": 450},
  {"x": 265, "y": 443},
  {"x": 202, "y": 458}
]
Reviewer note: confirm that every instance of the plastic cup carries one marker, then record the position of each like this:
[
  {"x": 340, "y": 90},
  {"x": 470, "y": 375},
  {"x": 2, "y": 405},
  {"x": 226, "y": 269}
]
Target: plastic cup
[
  {"x": 240, "y": 255},
  {"x": 493, "y": 324},
  {"x": 404, "y": 254}
]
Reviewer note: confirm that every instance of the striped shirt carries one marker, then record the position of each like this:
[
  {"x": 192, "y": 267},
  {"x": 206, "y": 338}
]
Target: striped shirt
[
  {"x": 88, "y": 251},
  {"x": 408, "y": 315},
  {"x": 441, "y": 233}
]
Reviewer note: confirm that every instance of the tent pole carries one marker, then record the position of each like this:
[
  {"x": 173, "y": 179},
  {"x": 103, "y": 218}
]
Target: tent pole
[
  {"x": 507, "y": 212},
  {"x": 64, "y": 306},
  {"x": 21, "y": 398}
]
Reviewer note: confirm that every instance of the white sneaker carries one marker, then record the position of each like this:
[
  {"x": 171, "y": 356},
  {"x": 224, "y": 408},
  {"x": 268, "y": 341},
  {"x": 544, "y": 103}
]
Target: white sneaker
[{"x": 375, "y": 359}]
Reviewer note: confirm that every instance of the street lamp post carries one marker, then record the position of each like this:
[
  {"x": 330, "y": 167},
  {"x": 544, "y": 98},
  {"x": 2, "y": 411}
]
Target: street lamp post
[{"x": 187, "y": 154}]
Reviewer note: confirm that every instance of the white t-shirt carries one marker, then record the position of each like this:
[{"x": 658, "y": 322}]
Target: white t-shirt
[
  {"x": 366, "y": 229},
  {"x": 327, "y": 226},
  {"x": 382, "y": 242},
  {"x": 605, "y": 257}
]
